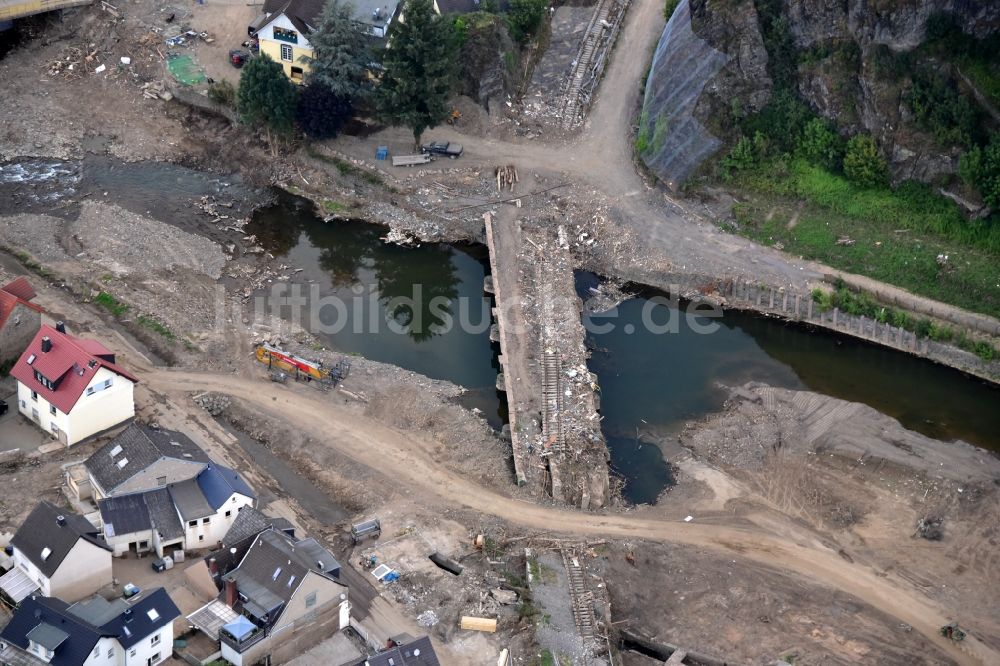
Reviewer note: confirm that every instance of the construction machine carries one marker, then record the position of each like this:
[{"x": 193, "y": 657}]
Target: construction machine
[{"x": 280, "y": 361}]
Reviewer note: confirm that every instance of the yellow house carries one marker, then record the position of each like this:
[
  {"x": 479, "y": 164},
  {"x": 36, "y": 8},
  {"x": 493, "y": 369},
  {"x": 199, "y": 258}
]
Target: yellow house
[
  {"x": 283, "y": 33},
  {"x": 283, "y": 29}
]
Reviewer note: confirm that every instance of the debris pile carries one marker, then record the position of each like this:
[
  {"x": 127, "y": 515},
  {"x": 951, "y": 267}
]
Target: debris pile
[{"x": 213, "y": 403}]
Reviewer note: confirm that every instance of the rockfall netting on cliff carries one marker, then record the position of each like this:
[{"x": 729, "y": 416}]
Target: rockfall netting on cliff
[{"x": 671, "y": 141}]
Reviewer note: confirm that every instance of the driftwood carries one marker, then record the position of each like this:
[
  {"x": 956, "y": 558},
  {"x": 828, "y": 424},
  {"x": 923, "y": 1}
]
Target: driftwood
[{"x": 506, "y": 178}]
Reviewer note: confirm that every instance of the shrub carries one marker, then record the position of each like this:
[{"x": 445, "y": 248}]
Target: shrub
[
  {"x": 985, "y": 351},
  {"x": 742, "y": 157},
  {"x": 863, "y": 164},
  {"x": 939, "y": 108},
  {"x": 223, "y": 93},
  {"x": 669, "y": 7},
  {"x": 821, "y": 145},
  {"x": 782, "y": 122},
  {"x": 525, "y": 18}
]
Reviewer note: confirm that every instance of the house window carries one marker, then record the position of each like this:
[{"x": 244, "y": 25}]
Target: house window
[
  {"x": 107, "y": 383},
  {"x": 34, "y": 396},
  {"x": 205, "y": 521},
  {"x": 286, "y": 35},
  {"x": 90, "y": 390},
  {"x": 310, "y": 600},
  {"x": 143, "y": 544},
  {"x": 286, "y": 52},
  {"x": 155, "y": 659},
  {"x": 155, "y": 640},
  {"x": 228, "y": 513},
  {"x": 52, "y": 410},
  {"x": 131, "y": 652},
  {"x": 201, "y": 537},
  {"x": 297, "y": 74},
  {"x": 111, "y": 652}
]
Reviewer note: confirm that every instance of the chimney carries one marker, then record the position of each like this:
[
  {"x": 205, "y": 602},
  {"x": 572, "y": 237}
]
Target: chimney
[
  {"x": 61, "y": 520},
  {"x": 46, "y": 344},
  {"x": 213, "y": 566},
  {"x": 61, "y": 327},
  {"x": 231, "y": 593}
]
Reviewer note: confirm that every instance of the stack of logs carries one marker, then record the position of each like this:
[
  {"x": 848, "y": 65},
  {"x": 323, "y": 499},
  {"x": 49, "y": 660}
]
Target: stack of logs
[{"x": 506, "y": 178}]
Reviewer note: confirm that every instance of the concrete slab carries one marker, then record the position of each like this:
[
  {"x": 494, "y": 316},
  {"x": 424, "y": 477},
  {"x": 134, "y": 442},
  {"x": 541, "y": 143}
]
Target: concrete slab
[
  {"x": 139, "y": 572},
  {"x": 17, "y": 432},
  {"x": 338, "y": 649}
]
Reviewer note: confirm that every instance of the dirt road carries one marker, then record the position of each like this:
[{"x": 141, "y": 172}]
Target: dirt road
[{"x": 415, "y": 463}]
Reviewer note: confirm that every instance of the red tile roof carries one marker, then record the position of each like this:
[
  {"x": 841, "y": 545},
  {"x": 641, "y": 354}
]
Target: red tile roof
[
  {"x": 67, "y": 365},
  {"x": 17, "y": 292},
  {"x": 20, "y": 288}
]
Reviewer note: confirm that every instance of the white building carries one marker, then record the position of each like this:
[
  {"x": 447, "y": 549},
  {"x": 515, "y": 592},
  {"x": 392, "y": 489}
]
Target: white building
[
  {"x": 71, "y": 387},
  {"x": 56, "y": 553},
  {"x": 157, "y": 491},
  {"x": 94, "y": 632}
]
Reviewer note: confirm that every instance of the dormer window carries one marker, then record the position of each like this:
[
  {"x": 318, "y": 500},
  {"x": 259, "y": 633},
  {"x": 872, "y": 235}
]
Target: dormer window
[{"x": 44, "y": 381}]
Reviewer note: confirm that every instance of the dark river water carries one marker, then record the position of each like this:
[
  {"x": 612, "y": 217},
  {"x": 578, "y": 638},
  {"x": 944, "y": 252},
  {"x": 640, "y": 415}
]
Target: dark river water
[
  {"x": 423, "y": 308},
  {"x": 653, "y": 381}
]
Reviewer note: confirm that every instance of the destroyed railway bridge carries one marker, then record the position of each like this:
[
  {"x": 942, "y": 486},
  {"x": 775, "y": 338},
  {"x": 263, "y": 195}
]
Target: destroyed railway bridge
[{"x": 15, "y": 9}]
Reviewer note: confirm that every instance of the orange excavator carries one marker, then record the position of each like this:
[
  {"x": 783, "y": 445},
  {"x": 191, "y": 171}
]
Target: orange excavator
[{"x": 284, "y": 364}]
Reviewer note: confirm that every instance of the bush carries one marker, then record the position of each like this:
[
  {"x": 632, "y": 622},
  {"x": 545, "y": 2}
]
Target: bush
[
  {"x": 821, "y": 145},
  {"x": 863, "y": 164},
  {"x": 939, "y": 109},
  {"x": 742, "y": 157},
  {"x": 782, "y": 122},
  {"x": 223, "y": 93},
  {"x": 525, "y": 18},
  {"x": 669, "y": 7}
]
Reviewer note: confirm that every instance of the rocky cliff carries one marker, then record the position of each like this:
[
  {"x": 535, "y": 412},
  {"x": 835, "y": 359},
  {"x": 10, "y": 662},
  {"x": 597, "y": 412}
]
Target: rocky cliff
[{"x": 841, "y": 57}]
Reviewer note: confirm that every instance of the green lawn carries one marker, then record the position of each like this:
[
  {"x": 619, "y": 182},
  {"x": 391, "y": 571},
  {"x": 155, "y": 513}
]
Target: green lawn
[{"x": 897, "y": 235}]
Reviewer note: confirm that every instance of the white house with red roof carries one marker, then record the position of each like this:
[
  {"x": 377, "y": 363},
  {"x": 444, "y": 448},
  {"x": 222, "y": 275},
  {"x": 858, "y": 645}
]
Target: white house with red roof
[
  {"x": 19, "y": 318},
  {"x": 72, "y": 387}
]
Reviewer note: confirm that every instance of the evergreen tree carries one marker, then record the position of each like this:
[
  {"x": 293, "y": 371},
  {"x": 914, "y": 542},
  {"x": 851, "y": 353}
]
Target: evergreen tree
[
  {"x": 322, "y": 112},
  {"x": 419, "y": 66},
  {"x": 266, "y": 96},
  {"x": 342, "y": 54}
]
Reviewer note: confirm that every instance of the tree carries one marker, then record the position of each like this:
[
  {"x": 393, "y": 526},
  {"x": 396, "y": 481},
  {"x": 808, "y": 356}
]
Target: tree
[
  {"x": 863, "y": 164},
  {"x": 321, "y": 112},
  {"x": 419, "y": 66},
  {"x": 266, "y": 96},
  {"x": 525, "y": 17},
  {"x": 341, "y": 52}
]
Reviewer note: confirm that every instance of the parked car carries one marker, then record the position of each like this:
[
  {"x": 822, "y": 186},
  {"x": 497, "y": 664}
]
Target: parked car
[
  {"x": 163, "y": 563},
  {"x": 3, "y": 407},
  {"x": 451, "y": 150}
]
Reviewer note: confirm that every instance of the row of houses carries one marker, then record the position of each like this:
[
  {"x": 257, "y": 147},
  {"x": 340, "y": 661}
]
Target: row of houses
[
  {"x": 156, "y": 491},
  {"x": 275, "y": 594}
]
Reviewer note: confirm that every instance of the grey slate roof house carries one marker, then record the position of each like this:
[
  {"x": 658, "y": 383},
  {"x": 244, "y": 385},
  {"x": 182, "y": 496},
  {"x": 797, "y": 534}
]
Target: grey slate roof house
[
  {"x": 157, "y": 490},
  {"x": 141, "y": 458},
  {"x": 95, "y": 631},
  {"x": 414, "y": 652},
  {"x": 286, "y": 593},
  {"x": 59, "y": 553}
]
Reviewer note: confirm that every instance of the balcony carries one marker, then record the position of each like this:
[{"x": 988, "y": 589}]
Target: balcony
[{"x": 242, "y": 637}]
